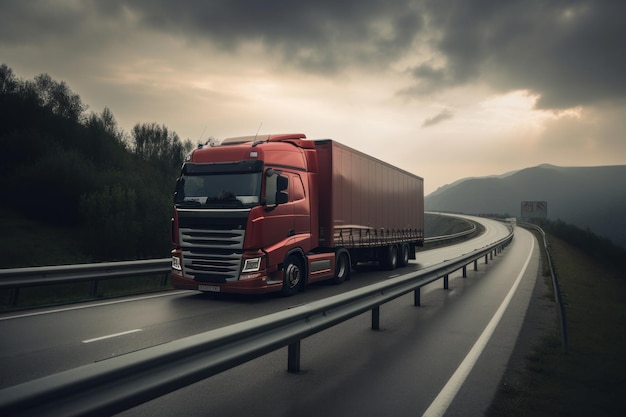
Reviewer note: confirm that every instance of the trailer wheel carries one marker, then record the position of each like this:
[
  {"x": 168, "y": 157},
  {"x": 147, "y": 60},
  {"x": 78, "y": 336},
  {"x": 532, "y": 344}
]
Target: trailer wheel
[
  {"x": 403, "y": 260},
  {"x": 293, "y": 275},
  {"x": 342, "y": 267},
  {"x": 390, "y": 257}
]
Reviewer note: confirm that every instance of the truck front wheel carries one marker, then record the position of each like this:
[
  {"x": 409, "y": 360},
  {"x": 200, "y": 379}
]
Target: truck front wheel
[
  {"x": 342, "y": 267},
  {"x": 293, "y": 275}
]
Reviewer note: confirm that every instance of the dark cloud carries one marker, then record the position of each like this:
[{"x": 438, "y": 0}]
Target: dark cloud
[
  {"x": 569, "y": 52},
  {"x": 26, "y": 22},
  {"x": 319, "y": 36},
  {"x": 443, "y": 115}
]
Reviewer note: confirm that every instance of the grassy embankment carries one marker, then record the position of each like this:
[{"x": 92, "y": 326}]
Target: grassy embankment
[
  {"x": 27, "y": 243},
  {"x": 590, "y": 379}
]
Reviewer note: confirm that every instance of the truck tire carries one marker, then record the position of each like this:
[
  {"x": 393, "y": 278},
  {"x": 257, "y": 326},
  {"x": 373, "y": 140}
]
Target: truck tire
[
  {"x": 403, "y": 260},
  {"x": 342, "y": 267},
  {"x": 293, "y": 277},
  {"x": 390, "y": 257}
]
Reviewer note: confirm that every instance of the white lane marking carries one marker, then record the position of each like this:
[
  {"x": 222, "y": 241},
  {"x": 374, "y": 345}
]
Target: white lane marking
[
  {"x": 60, "y": 310},
  {"x": 112, "y": 335},
  {"x": 452, "y": 387}
]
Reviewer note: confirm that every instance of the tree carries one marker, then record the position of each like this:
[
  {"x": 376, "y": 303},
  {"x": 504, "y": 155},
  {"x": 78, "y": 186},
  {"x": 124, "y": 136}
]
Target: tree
[
  {"x": 62, "y": 168},
  {"x": 8, "y": 82},
  {"x": 57, "y": 97},
  {"x": 114, "y": 224},
  {"x": 156, "y": 144},
  {"x": 106, "y": 123}
]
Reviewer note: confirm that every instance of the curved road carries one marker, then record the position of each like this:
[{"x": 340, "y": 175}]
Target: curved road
[{"x": 347, "y": 370}]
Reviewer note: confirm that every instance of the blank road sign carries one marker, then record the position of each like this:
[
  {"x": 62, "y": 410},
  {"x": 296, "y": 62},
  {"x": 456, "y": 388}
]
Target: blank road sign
[{"x": 534, "y": 209}]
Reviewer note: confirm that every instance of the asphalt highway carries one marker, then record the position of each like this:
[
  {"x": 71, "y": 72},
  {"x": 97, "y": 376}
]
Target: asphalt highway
[{"x": 416, "y": 363}]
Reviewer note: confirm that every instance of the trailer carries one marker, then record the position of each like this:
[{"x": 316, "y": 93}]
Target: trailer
[{"x": 272, "y": 213}]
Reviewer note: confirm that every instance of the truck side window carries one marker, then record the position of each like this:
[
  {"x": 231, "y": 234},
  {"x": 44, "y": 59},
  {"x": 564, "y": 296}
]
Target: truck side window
[{"x": 298, "y": 188}]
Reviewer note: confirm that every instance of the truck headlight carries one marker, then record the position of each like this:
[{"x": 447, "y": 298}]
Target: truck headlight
[{"x": 251, "y": 265}]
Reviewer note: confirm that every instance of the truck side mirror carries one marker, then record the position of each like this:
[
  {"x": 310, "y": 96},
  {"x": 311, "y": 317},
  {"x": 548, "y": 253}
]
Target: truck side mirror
[
  {"x": 275, "y": 188},
  {"x": 179, "y": 192}
]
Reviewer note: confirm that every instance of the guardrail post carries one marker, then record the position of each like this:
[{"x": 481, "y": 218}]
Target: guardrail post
[
  {"x": 491, "y": 255},
  {"x": 13, "y": 295},
  {"x": 445, "y": 282},
  {"x": 476, "y": 265},
  {"x": 487, "y": 258},
  {"x": 376, "y": 318},
  {"x": 94, "y": 288},
  {"x": 464, "y": 271},
  {"x": 293, "y": 357},
  {"x": 417, "y": 297}
]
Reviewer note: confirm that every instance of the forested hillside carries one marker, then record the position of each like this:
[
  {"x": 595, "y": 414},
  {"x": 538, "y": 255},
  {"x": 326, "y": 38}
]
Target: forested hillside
[{"x": 76, "y": 178}]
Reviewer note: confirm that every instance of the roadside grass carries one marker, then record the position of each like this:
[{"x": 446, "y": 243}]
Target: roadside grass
[
  {"x": 436, "y": 225},
  {"x": 27, "y": 243},
  {"x": 590, "y": 379}
]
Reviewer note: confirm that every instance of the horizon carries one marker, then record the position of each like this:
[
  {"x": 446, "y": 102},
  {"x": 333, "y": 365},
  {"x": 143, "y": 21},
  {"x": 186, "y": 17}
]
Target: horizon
[{"x": 444, "y": 91}]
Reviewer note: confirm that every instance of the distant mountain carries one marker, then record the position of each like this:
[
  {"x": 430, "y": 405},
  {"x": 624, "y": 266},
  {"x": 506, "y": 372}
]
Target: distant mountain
[
  {"x": 454, "y": 184},
  {"x": 589, "y": 197}
]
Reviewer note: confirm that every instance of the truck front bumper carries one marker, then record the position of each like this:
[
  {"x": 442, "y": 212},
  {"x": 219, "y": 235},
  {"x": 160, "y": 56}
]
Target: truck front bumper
[{"x": 257, "y": 285}]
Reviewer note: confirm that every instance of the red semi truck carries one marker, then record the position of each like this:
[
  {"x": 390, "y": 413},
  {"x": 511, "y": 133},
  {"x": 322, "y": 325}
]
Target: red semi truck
[{"x": 270, "y": 213}]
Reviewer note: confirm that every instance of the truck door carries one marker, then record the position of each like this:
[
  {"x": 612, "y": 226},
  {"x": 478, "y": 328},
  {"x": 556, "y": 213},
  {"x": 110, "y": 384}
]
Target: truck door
[
  {"x": 301, "y": 206},
  {"x": 278, "y": 222},
  {"x": 288, "y": 225}
]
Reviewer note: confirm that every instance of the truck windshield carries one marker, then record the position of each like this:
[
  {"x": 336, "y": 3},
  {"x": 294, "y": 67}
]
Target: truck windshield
[{"x": 219, "y": 190}]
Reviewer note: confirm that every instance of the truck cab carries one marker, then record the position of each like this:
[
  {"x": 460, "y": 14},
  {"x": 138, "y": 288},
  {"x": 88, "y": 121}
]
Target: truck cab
[{"x": 242, "y": 216}]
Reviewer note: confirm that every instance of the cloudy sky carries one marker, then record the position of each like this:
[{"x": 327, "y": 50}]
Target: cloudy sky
[{"x": 445, "y": 89}]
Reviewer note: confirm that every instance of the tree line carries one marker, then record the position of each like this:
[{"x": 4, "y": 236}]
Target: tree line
[{"x": 61, "y": 165}]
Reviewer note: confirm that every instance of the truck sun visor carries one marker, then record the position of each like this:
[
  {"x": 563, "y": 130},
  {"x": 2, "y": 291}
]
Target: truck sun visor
[{"x": 223, "y": 167}]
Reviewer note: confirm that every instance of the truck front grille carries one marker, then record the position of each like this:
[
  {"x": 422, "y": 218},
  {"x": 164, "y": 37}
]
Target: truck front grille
[{"x": 212, "y": 244}]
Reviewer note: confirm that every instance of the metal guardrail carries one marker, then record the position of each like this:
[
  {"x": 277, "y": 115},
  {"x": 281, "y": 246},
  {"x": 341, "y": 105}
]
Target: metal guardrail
[
  {"x": 15, "y": 278},
  {"x": 117, "y": 384},
  {"x": 60, "y": 274},
  {"x": 558, "y": 295},
  {"x": 452, "y": 236}
]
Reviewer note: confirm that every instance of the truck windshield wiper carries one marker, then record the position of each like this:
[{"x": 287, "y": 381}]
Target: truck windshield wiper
[
  {"x": 224, "y": 202},
  {"x": 189, "y": 203}
]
